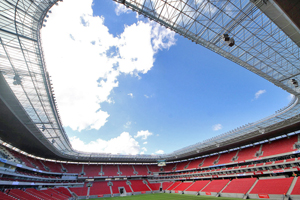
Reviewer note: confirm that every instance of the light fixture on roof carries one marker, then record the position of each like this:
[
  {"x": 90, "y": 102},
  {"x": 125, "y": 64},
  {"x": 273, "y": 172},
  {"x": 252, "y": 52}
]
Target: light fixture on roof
[
  {"x": 17, "y": 80},
  {"x": 294, "y": 82},
  {"x": 229, "y": 40},
  {"x": 262, "y": 131}
]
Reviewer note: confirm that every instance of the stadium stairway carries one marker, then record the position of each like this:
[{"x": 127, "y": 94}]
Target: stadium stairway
[
  {"x": 189, "y": 186},
  {"x": 218, "y": 194}
]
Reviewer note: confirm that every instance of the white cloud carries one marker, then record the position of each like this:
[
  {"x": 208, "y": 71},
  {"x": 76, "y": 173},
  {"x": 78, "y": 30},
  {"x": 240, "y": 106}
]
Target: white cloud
[
  {"x": 160, "y": 152},
  {"x": 145, "y": 142},
  {"x": 146, "y": 96},
  {"x": 85, "y": 60},
  {"x": 120, "y": 9},
  {"x": 127, "y": 125},
  {"x": 130, "y": 94},
  {"x": 143, "y": 134},
  {"x": 159, "y": 34},
  {"x": 217, "y": 127},
  {"x": 144, "y": 149},
  {"x": 259, "y": 93},
  {"x": 123, "y": 144}
]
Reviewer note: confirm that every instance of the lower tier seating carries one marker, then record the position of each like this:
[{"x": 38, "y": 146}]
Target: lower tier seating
[
  {"x": 139, "y": 186},
  {"x": 272, "y": 186},
  {"x": 183, "y": 186},
  {"x": 215, "y": 186},
  {"x": 20, "y": 194},
  {"x": 99, "y": 188},
  {"x": 120, "y": 184},
  {"x": 154, "y": 186},
  {"x": 174, "y": 185},
  {"x": 166, "y": 185},
  {"x": 239, "y": 185},
  {"x": 79, "y": 191},
  {"x": 5, "y": 196},
  {"x": 64, "y": 191},
  {"x": 54, "y": 194},
  {"x": 296, "y": 189},
  {"x": 198, "y": 186},
  {"x": 38, "y": 193}
]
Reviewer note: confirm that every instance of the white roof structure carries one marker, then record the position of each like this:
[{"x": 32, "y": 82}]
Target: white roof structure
[{"x": 266, "y": 42}]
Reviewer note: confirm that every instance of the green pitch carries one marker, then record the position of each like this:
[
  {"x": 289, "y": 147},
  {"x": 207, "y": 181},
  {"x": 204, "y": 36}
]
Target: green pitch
[{"x": 165, "y": 196}]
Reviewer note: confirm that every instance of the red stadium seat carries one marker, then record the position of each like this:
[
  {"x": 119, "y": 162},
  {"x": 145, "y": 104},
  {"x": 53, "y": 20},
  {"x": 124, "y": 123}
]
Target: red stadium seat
[
  {"x": 239, "y": 185},
  {"x": 272, "y": 186}
]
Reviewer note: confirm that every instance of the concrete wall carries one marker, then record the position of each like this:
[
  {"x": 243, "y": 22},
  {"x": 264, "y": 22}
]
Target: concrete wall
[
  {"x": 295, "y": 197},
  {"x": 189, "y": 192},
  {"x": 272, "y": 196},
  {"x": 234, "y": 195},
  {"x": 212, "y": 194}
]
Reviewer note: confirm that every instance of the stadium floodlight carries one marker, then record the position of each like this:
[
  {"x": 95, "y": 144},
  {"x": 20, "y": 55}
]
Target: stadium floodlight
[
  {"x": 294, "y": 82},
  {"x": 262, "y": 131},
  {"x": 17, "y": 80},
  {"x": 225, "y": 37},
  {"x": 229, "y": 40}
]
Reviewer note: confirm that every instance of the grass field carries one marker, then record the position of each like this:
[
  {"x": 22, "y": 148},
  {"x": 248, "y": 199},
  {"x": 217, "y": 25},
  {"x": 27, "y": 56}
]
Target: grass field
[{"x": 165, "y": 196}]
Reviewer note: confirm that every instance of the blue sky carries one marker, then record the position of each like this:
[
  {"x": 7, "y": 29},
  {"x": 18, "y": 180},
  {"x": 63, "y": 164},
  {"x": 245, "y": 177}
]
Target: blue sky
[{"x": 126, "y": 85}]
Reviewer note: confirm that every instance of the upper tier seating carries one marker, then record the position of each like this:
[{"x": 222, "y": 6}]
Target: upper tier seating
[
  {"x": 36, "y": 163},
  {"x": 226, "y": 157},
  {"x": 127, "y": 170},
  {"x": 54, "y": 167},
  {"x": 79, "y": 191},
  {"x": 169, "y": 167},
  {"x": 209, "y": 161},
  {"x": 110, "y": 170},
  {"x": 154, "y": 168},
  {"x": 272, "y": 186},
  {"x": 71, "y": 168},
  {"x": 166, "y": 185},
  {"x": 194, "y": 164},
  {"x": 117, "y": 184},
  {"x": 141, "y": 169},
  {"x": 198, "y": 185},
  {"x": 99, "y": 188},
  {"x": 6, "y": 154},
  {"x": 239, "y": 185},
  {"x": 279, "y": 146},
  {"x": 183, "y": 186},
  {"x": 181, "y": 166},
  {"x": 247, "y": 153},
  {"x": 92, "y": 170},
  {"x": 215, "y": 186},
  {"x": 21, "y": 157},
  {"x": 139, "y": 186},
  {"x": 174, "y": 185}
]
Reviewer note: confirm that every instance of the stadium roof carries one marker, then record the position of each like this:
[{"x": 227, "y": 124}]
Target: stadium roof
[{"x": 266, "y": 42}]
